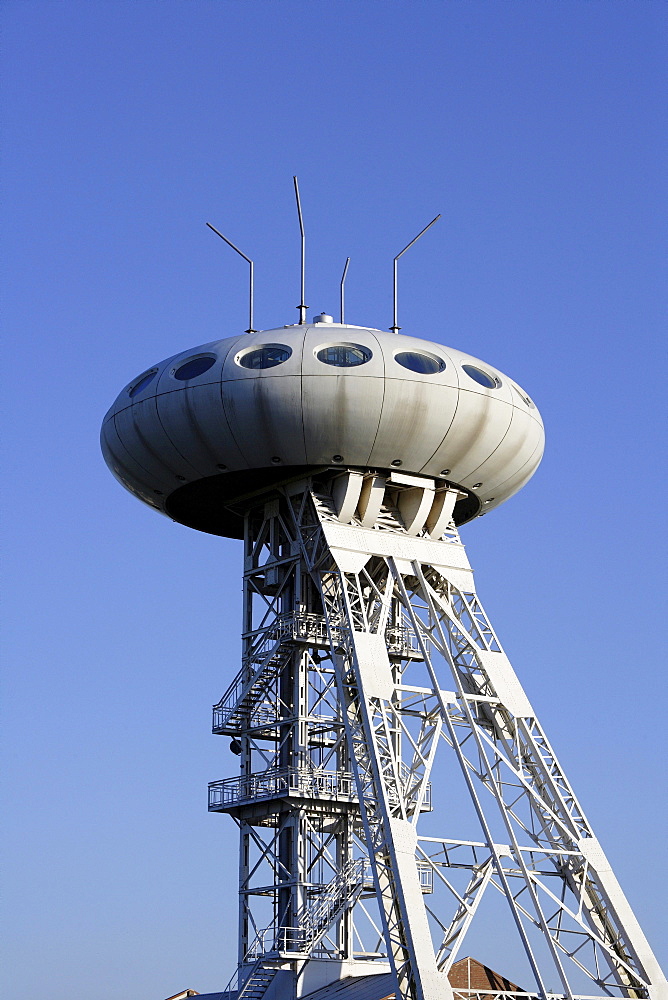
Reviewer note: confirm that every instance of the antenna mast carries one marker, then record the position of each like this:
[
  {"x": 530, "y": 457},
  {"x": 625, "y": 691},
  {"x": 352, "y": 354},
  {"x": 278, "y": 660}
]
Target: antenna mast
[
  {"x": 251, "y": 328},
  {"x": 395, "y": 328},
  {"x": 343, "y": 291},
  {"x": 302, "y": 305}
]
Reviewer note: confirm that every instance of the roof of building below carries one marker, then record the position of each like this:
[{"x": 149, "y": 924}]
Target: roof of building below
[
  {"x": 467, "y": 974},
  {"x": 380, "y": 987},
  {"x": 216, "y": 996}
]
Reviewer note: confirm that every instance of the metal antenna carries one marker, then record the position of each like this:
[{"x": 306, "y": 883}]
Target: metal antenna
[
  {"x": 395, "y": 328},
  {"x": 302, "y": 305},
  {"x": 251, "y": 328},
  {"x": 343, "y": 291}
]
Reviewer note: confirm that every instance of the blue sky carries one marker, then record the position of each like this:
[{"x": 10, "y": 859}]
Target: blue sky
[{"x": 534, "y": 127}]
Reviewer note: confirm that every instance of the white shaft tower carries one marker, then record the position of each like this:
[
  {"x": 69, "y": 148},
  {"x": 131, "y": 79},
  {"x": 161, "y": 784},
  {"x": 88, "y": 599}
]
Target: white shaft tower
[
  {"x": 369, "y": 663},
  {"x": 394, "y": 783}
]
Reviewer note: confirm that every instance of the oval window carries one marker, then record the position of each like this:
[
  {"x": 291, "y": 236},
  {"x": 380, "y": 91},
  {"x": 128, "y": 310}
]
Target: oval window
[
  {"x": 344, "y": 355},
  {"x": 143, "y": 382},
  {"x": 482, "y": 378},
  {"x": 424, "y": 364},
  {"x": 530, "y": 403},
  {"x": 193, "y": 368},
  {"x": 267, "y": 356}
]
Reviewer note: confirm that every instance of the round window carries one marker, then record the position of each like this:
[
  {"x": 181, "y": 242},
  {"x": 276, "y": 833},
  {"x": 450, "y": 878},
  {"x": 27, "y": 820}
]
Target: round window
[
  {"x": 424, "y": 364},
  {"x": 267, "y": 356},
  {"x": 344, "y": 355},
  {"x": 143, "y": 382},
  {"x": 482, "y": 378},
  {"x": 193, "y": 368}
]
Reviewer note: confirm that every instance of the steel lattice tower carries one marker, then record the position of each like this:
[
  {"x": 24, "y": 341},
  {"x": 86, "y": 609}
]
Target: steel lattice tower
[
  {"x": 373, "y": 690},
  {"x": 367, "y": 654}
]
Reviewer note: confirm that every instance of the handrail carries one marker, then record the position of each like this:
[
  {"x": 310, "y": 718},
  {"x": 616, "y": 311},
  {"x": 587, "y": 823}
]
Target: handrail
[{"x": 312, "y": 782}]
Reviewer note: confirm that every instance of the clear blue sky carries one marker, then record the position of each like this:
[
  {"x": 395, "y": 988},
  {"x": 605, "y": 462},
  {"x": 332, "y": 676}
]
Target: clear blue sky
[{"x": 534, "y": 126}]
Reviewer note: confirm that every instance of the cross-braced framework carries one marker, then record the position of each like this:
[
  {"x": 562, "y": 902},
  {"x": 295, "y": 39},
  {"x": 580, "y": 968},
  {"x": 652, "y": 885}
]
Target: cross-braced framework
[{"x": 367, "y": 661}]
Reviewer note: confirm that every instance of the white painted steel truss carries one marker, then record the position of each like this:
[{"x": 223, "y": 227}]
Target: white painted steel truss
[{"x": 368, "y": 658}]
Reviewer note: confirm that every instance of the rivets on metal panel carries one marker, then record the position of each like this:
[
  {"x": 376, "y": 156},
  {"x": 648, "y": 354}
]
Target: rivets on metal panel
[
  {"x": 223, "y": 468},
  {"x": 181, "y": 479},
  {"x": 337, "y": 458},
  {"x": 476, "y": 486},
  {"x": 445, "y": 472},
  {"x": 396, "y": 461},
  {"x": 276, "y": 460}
]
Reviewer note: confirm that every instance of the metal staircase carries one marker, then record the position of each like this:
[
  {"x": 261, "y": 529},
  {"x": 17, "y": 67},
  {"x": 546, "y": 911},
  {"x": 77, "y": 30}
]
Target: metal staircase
[
  {"x": 341, "y": 893},
  {"x": 254, "y": 986},
  {"x": 243, "y": 699},
  {"x": 322, "y": 910},
  {"x": 257, "y": 983}
]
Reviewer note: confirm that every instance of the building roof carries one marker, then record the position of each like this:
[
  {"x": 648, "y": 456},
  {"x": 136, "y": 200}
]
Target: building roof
[
  {"x": 380, "y": 987},
  {"x": 214, "y": 996},
  {"x": 467, "y": 974}
]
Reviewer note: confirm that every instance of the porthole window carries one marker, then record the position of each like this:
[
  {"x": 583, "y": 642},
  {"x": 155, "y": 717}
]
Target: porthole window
[
  {"x": 267, "y": 356},
  {"x": 482, "y": 378},
  {"x": 530, "y": 403},
  {"x": 344, "y": 355},
  {"x": 424, "y": 364},
  {"x": 143, "y": 382},
  {"x": 193, "y": 368}
]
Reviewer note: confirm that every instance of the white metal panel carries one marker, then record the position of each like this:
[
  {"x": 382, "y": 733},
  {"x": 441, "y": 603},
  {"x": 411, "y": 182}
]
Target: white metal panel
[
  {"x": 194, "y": 419},
  {"x": 424, "y": 550},
  {"x": 440, "y": 514},
  {"x": 517, "y": 446},
  {"x": 345, "y": 494},
  {"x": 341, "y": 406},
  {"x": 404, "y": 841},
  {"x": 191, "y": 414},
  {"x": 505, "y": 489},
  {"x": 263, "y": 406},
  {"x": 593, "y": 853},
  {"x": 264, "y": 413},
  {"x": 414, "y": 506},
  {"x": 350, "y": 562},
  {"x": 460, "y": 578},
  {"x": 415, "y": 417},
  {"x": 417, "y": 408},
  {"x": 341, "y": 414},
  {"x": 450, "y": 559},
  {"x": 146, "y": 422},
  {"x": 371, "y": 500},
  {"x": 139, "y": 479},
  {"x": 374, "y": 664},
  {"x": 406, "y": 479},
  {"x": 505, "y": 682},
  {"x": 152, "y": 456},
  {"x": 479, "y": 426}
]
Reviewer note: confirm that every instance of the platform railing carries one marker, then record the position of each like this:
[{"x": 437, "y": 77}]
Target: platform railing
[{"x": 275, "y": 782}]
